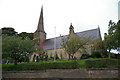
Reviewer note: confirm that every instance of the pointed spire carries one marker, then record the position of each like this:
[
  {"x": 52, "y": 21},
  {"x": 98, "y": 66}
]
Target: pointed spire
[
  {"x": 40, "y": 27},
  {"x": 99, "y": 33}
]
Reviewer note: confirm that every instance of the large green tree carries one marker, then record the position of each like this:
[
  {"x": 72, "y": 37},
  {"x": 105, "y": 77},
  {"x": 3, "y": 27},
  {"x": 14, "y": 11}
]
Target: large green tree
[
  {"x": 109, "y": 43},
  {"x": 8, "y": 31},
  {"x": 114, "y": 31},
  {"x": 16, "y": 48},
  {"x": 113, "y": 37},
  {"x": 25, "y": 35},
  {"x": 73, "y": 44}
]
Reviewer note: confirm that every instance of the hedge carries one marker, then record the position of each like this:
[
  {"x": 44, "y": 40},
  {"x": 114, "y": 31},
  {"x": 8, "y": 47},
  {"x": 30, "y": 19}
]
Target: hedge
[
  {"x": 105, "y": 63},
  {"x": 42, "y": 66}
]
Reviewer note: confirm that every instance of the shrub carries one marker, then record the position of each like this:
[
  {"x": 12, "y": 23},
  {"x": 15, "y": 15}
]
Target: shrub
[
  {"x": 104, "y": 63},
  {"x": 96, "y": 55},
  {"x": 43, "y": 66},
  {"x": 85, "y": 56}
]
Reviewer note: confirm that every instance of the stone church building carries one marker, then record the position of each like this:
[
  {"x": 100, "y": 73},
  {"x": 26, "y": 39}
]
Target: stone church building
[{"x": 53, "y": 45}]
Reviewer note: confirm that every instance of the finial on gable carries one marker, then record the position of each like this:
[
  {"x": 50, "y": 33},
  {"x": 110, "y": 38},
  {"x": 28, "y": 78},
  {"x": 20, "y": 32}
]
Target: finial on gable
[
  {"x": 98, "y": 26},
  {"x": 71, "y": 27},
  {"x": 71, "y": 31}
]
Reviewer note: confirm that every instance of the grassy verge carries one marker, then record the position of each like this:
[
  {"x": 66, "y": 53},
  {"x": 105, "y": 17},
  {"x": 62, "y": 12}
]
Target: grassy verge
[{"x": 27, "y": 63}]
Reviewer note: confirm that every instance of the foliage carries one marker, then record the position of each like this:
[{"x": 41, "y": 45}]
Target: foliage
[
  {"x": 109, "y": 39},
  {"x": 96, "y": 55},
  {"x": 43, "y": 66},
  {"x": 8, "y": 31},
  {"x": 113, "y": 35},
  {"x": 60, "y": 64},
  {"x": 109, "y": 42},
  {"x": 112, "y": 39},
  {"x": 85, "y": 56},
  {"x": 73, "y": 44},
  {"x": 105, "y": 63},
  {"x": 99, "y": 46},
  {"x": 56, "y": 57},
  {"x": 16, "y": 48},
  {"x": 25, "y": 35},
  {"x": 44, "y": 55}
]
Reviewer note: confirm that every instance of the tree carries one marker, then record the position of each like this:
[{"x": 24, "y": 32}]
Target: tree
[
  {"x": 109, "y": 43},
  {"x": 25, "y": 35},
  {"x": 73, "y": 44},
  {"x": 114, "y": 31},
  {"x": 113, "y": 37},
  {"x": 8, "y": 31},
  {"x": 16, "y": 48},
  {"x": 43, "y": 55},
  {"x": 96, "y": 55},
  {"x": 85, "y": 56},
  {"x": 99, "y": 46}
]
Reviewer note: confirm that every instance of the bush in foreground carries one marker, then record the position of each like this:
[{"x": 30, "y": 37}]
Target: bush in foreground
[
  {"x": 85, "y": 56},
  {"x": 105, "y": 63},
  {"x": 43, "y": 66}
]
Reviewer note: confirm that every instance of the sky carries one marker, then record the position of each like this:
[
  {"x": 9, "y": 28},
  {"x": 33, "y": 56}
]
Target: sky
[{"x": 23, "y": 15}]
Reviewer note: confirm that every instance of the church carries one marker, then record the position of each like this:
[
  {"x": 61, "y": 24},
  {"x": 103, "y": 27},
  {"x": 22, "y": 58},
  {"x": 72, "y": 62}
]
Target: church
[{"x": 53, "y": 45}]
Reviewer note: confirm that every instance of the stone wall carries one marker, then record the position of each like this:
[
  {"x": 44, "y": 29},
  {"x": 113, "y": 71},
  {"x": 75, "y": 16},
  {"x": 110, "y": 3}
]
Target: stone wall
[
  {"x": 60, "y": 52},
  {"x": 64, "y": 73}
]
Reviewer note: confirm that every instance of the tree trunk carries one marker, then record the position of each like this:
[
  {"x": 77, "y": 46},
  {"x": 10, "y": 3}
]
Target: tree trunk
[
  {"x": 72, "y": 56},
  {"x": 102, "y": 55},
  {"x": 109, "y": 54},
  {"x": 15, "y": 62},
  {"x": 69, "y": 56}
]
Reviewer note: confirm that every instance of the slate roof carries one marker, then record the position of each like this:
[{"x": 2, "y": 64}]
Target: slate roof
[{"x": 49, "y": 43}]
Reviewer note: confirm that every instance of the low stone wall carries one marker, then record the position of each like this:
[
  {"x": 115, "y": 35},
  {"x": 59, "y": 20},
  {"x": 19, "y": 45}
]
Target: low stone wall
[{"x": 64, "y": 73}]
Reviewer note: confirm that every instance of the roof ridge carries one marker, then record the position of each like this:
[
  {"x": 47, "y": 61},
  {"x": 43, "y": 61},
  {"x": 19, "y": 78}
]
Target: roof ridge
[
  {"x": 49, "y": 44},
  {"x": 87, "y": 30},
  {"x": 74, "y": 33}
]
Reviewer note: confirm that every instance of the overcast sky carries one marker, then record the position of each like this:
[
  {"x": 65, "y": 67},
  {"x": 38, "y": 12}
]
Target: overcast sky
[{"x": 23, "y": 15}]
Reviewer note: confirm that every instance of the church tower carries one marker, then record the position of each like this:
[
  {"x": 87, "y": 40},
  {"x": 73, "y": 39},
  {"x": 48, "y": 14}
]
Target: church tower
[{"x": 40, "y": 35}]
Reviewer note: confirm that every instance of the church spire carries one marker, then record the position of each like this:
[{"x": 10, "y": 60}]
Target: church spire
[
  {"x": 40, "y": 34},
  {"x": 40, "y": 27}
]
